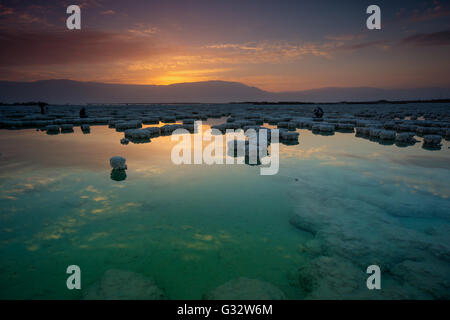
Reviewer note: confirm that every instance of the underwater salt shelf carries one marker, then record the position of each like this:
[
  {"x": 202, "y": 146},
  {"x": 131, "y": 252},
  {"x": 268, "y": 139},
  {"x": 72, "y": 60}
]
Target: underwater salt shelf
[{"x": 357, "y": 188}]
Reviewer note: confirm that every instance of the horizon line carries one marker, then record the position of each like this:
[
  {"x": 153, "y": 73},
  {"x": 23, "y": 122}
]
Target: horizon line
[
  {"x": 31, "y": 103},
  {"x": 227, "y": 81}
]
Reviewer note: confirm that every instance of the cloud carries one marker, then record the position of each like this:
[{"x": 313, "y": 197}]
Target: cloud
[
  {"x": 441, "y": 38},
  {"x": 86, "y": 46},
  {"x": 345, "y": 37},
  {"x": 264, "y": 52},
  {"x": 108, "y": 12},
  {"x": 89, "y": 4},
  {"x": 141, "y": 29},
  {"x": 432, "y": 10},
  {"x": 436, "y": 11},
  {"x": 5, "y": 10},
  {"x": 363, "y": 45},
  {"x": 234, "y": 46}
]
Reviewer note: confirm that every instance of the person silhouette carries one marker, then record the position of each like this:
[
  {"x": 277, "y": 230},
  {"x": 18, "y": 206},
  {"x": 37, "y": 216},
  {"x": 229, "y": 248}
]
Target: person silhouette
[
  {"x": 83, "y": 113},
  {"x": 43, "y": 106}
]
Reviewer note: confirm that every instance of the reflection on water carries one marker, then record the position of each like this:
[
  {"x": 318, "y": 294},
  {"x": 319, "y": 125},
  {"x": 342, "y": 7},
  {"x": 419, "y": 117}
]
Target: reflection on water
[
  {"x": 118, "y": 175},
  {"x": 338, "y": 204}
]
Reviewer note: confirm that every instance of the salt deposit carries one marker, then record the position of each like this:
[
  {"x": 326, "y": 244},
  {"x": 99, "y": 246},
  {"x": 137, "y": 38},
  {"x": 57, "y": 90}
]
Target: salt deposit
[
  {"x": 137, "y": 134},
  {"x": 124, "y": 125},
  {"x": 246, "y": 289},
  {"x": 66, "y": 128},
  {"x": 123, "y": 285},
  {"x": 432, "y": 140},
  {"x": 286, "y": 135},
  {"x": 118, "y": 163},
  {"x": 387, "y": 135},
  {"x": 405, "y": 137},
  {"x": 52, "y": 129}
]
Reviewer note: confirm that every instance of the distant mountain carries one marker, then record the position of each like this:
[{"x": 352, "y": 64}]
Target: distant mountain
[
  {"x": 76, "y": 92},
  {"x": 337, "y": 94}
]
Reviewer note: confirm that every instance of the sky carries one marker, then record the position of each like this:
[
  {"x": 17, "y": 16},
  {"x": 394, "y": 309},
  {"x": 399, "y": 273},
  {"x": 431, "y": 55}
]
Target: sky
[{"x": 273, "y": 45}]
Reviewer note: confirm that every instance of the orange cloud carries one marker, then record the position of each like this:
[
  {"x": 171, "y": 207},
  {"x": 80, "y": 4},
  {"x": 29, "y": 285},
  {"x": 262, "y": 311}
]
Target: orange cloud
[{"x": 84, "y": 47}]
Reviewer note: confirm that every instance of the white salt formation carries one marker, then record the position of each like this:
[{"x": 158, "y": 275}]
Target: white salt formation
[
  {"x": 347, "y": 230},
  {"x": 118, "y": 163},
  {"x": 326, "y": 128},
  {"x": 123, "y": 125},
  {"x": 154, "y": 131},
  {"x": 246, "y": 289},
  {"x": 150, "y": 120},
  {"x": 52, "y": 129},
  {"x": 421, "y": 119},
  {"x": 168, "y": 128},
  {"x": 188, "y": 121},
  {"x": 66, "y": 128},
  {"x": 286, "y": 135},
  {"x": 362, "y": 131},
  {"x": 137, "y": 134},
  {"x": 375, "y": 132},
  {"x": 429, "y": 130},
  {"x": 432, "y": 140},
  {"x": 169, "y": 119},
  {"x": 123, "y": 285},
  {"x": 348, "y": 127},
  {"x": 387, "y": 135},
  {"x": 405, "y": 137},
  {"x": 292, "y": 126}
]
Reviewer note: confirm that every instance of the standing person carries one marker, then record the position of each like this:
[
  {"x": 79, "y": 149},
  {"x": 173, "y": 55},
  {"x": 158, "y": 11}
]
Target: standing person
[
  {"x": 43, "y": 107},
  {"x": 83, "y": 113}
]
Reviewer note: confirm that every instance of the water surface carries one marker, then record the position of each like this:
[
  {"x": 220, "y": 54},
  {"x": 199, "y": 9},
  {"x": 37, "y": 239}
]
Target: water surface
[{"x": 193, "y": 227}]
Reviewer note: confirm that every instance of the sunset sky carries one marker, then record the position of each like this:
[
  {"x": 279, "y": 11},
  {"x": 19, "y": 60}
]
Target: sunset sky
[{"x": 273, "y": 45}]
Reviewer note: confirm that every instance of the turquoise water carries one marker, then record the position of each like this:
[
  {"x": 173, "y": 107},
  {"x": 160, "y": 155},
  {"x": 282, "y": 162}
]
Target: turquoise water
[{"x": 338, "y": 204}]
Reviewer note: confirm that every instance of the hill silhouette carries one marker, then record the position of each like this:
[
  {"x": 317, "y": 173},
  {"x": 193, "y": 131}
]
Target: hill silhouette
[{"x": 77, "y": 92}]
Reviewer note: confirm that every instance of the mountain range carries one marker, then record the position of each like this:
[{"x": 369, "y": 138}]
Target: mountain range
[{"x": 77, "y": 92}]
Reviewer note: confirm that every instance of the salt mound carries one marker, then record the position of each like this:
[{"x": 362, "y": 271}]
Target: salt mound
[
  {"x": 405, "y": 137},
  {"x": 123, "y": 285},
  {"x": 246, "y": 289},
  {"x": 52, "y": 129},
  {"x": 285, "y": 135},
  {"x": 326, "y": 128},
  {"x": 375, "y": 132},
  {"x": 137, "y": 134},
  {"x": 124, "y": 125},
  {"x": 283, "y": 124},
  {"x": 345, "y": 242},
  {"x": 66, "y": 128},
  {"x": 432, "y": 140},
  {"x": 118, "y": 163},
  {"x": 387, "y": 135},
  {"x": 345, "y": 127},
  {"x": 168, "y": 129}
]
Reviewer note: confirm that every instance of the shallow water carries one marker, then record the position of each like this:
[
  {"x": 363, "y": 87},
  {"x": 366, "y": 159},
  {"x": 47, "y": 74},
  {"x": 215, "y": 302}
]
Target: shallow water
[{"x": 192, "y": 228}]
